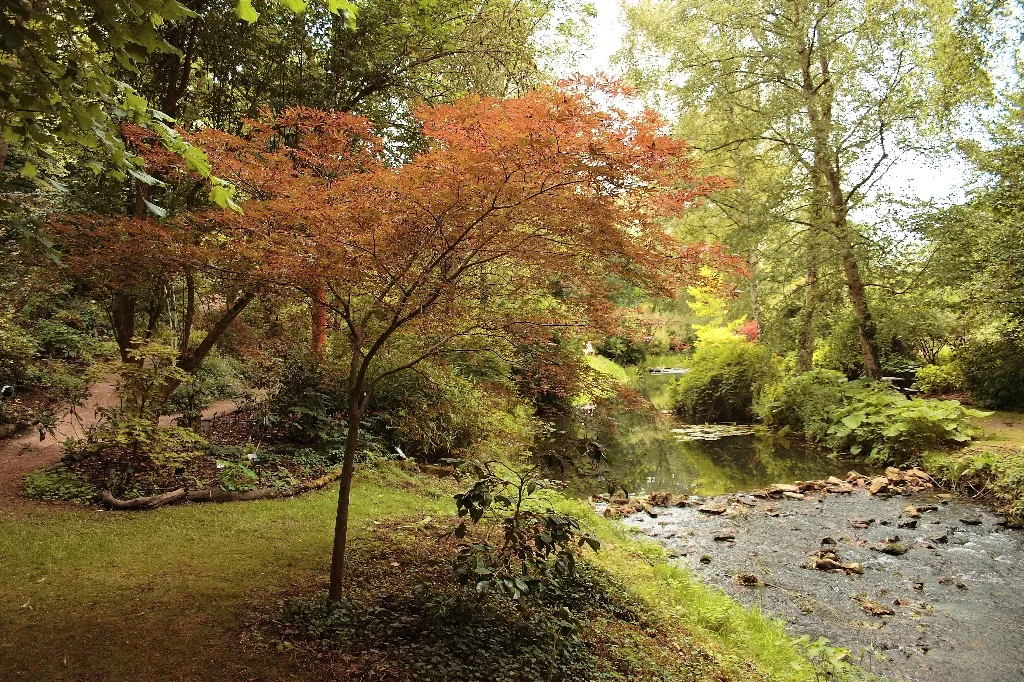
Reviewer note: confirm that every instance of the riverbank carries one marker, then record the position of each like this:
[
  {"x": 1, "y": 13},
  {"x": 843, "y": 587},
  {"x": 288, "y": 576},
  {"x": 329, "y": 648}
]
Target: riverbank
[
  {"x": 990, "y": 469},
  {"x": 193, "y": 592}
]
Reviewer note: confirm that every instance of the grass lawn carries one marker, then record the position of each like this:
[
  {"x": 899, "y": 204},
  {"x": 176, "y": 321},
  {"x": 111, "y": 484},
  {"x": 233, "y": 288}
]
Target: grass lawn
[{"x": 172, "y": 594}]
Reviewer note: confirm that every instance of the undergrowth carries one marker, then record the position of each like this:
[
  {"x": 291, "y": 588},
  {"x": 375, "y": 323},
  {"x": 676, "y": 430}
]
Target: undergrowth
[
  {"x": 864, "y": 418},
  {"x": 993, "y": 474}
]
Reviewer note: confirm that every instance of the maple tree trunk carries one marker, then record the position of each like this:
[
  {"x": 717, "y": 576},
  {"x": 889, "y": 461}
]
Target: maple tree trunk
[
  {"x": 318, "y": 313},
  {"x": 344, "y": 495}
]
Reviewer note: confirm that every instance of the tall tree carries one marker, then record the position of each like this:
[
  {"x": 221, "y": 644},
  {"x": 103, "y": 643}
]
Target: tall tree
[
  {"x": 509, "y": 224},
  {"x": 843, "y": 86}
]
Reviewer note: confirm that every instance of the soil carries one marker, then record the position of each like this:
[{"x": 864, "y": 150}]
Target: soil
[{"x": 25, "y": 452}]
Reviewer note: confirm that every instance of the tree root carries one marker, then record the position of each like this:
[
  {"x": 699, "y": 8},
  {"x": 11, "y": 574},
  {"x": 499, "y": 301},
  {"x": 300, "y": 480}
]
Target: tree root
[{"x": 107, "y": 499}]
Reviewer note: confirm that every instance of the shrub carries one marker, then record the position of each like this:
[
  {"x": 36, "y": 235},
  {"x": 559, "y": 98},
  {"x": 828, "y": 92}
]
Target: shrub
[
  {"x": 724, "y": 377},
  {"x": 126, "y": 446},
  {"x": 17, "y": 349},
  {"x": 622, "y": 350},
  {"x": 216, "y": 379},
  {"x": 435, "y": 413},
  {"x": 994, "y": 372},
  {"x": 998, "y": 476},
  {"x": 58, "y": 485},
  {"x": 59, "y": 340},
  {"x": 941, "y": 379},
  {"x": 309, "y": 405},
  {"x": 539, "y": 545},
  {"x": 888, "y": 427},
  {"x": 804, "y": 404},
  {"x": 864, "y": 417}
]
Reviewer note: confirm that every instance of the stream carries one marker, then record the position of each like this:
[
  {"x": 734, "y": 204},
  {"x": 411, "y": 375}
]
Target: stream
[{"x": 938, "y": 598}]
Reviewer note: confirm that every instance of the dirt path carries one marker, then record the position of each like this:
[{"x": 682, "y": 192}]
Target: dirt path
[{"x": 24, "y": 452}]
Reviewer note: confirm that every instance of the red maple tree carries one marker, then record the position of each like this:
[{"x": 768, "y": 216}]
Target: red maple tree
[{"x": 515, "y": 221}]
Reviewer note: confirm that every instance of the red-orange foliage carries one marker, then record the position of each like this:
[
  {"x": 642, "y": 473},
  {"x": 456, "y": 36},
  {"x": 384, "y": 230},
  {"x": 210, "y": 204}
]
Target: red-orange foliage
[{"x": 514, "y": 221}]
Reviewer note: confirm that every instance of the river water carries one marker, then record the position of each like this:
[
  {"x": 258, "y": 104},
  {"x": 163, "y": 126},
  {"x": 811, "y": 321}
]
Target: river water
[{"x": 955, "y": 594}]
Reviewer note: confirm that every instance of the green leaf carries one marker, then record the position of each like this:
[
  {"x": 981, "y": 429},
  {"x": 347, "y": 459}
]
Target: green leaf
[
  {"x": 144, "y": 178},
  {"x": 155, "y": 210},
  {"x": 349, "y": 8},
  {"x": 220, "y": 195},
  {"x": 135, "y": 102},
  {"x": 854, "y": 420},
  {"x": 245, "y": 11},
  {"x": 297, "y": 6},
  {"x": 30, "y": 170}
]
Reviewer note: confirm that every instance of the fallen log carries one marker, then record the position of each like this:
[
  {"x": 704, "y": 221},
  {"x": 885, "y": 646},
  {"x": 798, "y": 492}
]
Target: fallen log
[
  {"x": 216, "y": 495},
  {"x": 151, "y": 502}
]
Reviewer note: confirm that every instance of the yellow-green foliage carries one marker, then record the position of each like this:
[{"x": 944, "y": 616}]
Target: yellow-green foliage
[
  {"x": 610, "y": 367},
  {"x": 948, "y": 378},
  {"x": 724, "y": 378}
]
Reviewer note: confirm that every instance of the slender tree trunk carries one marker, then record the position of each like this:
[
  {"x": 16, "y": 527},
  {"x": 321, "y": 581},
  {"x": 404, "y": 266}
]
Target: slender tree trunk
[
  {"x": 355, "y": 416},
  {"x": 809, "y": 314},
  {"x": 859, "y": 300},
  {"x": 819, "y": 101},
  {"x": 344, "y": 496},
  {"x": 318, "y": 313},
  {"x": 808, "y": 317},
  {"x": 755, "y": 293}
]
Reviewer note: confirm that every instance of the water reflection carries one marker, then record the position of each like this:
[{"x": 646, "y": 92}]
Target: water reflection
[{"x": 639, "y": 452}]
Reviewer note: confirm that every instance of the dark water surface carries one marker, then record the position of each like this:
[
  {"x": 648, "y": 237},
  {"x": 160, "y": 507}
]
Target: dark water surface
[{"x": 642, "y": 454}]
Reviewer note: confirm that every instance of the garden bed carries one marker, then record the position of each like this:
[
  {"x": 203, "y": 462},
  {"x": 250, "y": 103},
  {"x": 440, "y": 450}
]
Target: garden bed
[{"x": 131, "y": 463}]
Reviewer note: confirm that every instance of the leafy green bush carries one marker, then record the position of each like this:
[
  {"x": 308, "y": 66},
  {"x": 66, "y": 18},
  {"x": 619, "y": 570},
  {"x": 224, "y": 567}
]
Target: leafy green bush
[
  {"x": 948, "y": 378},
  {"x": 435, "y": 413},
  {"x": 994, "y": 372},
  {"x": 622, "y": 350},
  {"x": 864, "y": 417},
  {"x": 217, "y": 379},
  {"x": 539, "y": 545},
  {"x": 888, "y": 427},
  {"x": 58, "y": 485},
  {"x": 805, "y": 404},
  {"x": 125, "y": 445},
  {"x": 309, "y": 405},
  {"x": 17, "y": 348},
  {"x": 724, "y": 377},
  {"x": 59, "y": 340}
]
